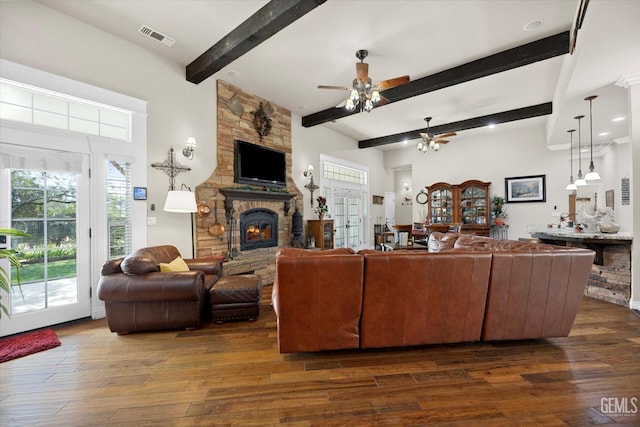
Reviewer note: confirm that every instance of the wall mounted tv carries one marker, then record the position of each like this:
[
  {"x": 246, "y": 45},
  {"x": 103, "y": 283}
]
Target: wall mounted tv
[{"x": 257, "y": 165}]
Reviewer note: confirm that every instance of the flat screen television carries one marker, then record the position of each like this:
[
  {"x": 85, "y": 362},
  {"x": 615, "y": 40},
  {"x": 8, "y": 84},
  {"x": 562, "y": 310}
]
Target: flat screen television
[{"x": 257, "y": 165}]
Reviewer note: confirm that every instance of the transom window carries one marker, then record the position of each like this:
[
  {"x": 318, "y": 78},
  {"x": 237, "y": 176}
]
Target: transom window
[
  {"x": 29, "y": 104},
  {"x": 344, "y": 173}
]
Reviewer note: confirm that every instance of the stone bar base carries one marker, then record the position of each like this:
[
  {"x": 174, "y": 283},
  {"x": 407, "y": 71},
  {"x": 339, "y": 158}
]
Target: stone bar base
[{"x": 611, "y": 281}]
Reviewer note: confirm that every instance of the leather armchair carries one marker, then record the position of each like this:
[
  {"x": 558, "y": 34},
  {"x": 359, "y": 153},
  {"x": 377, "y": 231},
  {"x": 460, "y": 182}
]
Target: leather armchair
[{"x": 138, "y": 297}]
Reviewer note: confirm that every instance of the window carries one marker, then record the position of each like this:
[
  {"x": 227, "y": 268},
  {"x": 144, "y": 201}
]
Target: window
[
  {"x": 344, "y": 173},
  {"x": 119, "y": 196},
  {"x": 28, "y": 104}
]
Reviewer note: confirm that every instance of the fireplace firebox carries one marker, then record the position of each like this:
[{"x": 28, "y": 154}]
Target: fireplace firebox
[{"x": 258, "y": 229}]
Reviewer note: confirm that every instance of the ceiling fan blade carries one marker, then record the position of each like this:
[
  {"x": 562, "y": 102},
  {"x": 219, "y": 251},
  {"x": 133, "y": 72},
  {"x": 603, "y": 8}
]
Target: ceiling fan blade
[
  {"x": 441, "y": 141},
  {"x": 333, "y": 87},
  {"x": 362, "y": 71},
  {"x": 388, "y": 84},
  {"x": 382, "y": 101},
  {"x": 446, "y": 135}
]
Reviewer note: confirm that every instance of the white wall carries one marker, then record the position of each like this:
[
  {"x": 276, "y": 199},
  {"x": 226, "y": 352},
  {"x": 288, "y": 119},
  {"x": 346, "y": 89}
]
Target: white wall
[
  {"x": 39, "y": 37},
  {"x": 492, "y": 157}
]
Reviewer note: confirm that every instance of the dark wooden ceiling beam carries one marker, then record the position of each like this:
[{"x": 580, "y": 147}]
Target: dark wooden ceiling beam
[
  {"x": 271, "y": 18},
  {"x": 539, "y": 50},
  {"x": 476, "y": 122}
]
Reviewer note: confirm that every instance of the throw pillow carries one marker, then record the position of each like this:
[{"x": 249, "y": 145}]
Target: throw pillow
[{"x": 177, "y": 264}]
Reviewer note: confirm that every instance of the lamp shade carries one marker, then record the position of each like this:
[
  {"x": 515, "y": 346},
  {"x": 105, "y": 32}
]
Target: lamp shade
[
  {"x": 181, "y": 202},
  {"x": 579, "y": 183},
  {"x": 592, "y": 176},
  {"x": 571, "y": 186}
]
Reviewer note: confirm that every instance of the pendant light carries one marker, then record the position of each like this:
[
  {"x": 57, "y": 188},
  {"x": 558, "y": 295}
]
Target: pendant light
[
  {"x": 580, "y": 182},
  {"x": 592, "y": 175},
  {"x": 571, "y": 186}
]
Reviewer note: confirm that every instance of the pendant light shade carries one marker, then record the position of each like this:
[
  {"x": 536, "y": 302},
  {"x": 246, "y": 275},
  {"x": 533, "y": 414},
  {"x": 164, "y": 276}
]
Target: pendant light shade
[
  {"x": 580, "y": 182},
  {"x": 592, "y": 175},
  {"x": 571, "y": 185}
]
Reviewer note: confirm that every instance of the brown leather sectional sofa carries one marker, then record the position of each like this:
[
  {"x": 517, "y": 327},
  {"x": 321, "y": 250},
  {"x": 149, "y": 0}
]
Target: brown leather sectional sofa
[
  {"x": 465, "y": 288},
  {"x": 138, "y": 297}
]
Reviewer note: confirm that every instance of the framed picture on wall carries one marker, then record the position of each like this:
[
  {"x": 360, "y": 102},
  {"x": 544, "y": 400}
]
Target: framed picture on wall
[{"x": 525, "y": 189}]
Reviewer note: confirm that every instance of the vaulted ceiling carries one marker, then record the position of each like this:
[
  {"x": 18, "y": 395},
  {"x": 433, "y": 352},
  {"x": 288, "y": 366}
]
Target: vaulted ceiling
[{"x": 468, "y": 60}]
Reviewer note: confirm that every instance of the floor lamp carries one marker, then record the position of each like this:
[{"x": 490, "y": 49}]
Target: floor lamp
[{"x": 182, "y": 201}]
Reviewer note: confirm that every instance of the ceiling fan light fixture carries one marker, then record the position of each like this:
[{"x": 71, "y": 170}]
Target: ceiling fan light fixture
[
  {"x": 375, "y": 97},
  {"x": 350, "y": 106},
  {"x": 368, "y": 106},
  {"x": 354, "y": 96},
  {"x": 420, "y": 146}
]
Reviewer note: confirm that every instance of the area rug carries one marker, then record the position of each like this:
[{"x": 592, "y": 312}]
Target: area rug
[{"x": 23, "y": 345}]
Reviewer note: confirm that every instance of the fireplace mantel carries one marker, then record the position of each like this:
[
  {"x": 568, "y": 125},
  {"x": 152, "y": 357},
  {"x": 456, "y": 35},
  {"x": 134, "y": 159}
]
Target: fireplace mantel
[{"x": 232, "y": 194}]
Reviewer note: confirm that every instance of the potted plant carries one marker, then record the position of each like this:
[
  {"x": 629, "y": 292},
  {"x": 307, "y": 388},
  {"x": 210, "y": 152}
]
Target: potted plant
[
  {"x": 322, "y": 208},
  {"x": 5, "y": 281},
  {"x": 498, "y": 212}
]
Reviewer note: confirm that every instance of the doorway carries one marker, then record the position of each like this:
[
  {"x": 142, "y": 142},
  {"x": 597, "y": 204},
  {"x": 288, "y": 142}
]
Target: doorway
[
  {"x": 348, "y": 226},
  {"x": 48, "y": 199}
]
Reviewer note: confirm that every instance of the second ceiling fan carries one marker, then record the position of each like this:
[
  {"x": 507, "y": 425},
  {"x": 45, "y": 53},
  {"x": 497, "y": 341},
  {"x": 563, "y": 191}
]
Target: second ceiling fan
[
  {"x": 364, "y": 94},
  {"x": 431, "y": 142}
]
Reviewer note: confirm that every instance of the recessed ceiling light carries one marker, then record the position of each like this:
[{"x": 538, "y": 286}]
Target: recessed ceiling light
[
  {"x": 618, "y": 119},
  {"x": 405, "y": 142},
  {"x": 234, "y": 73},
  {"x": 533, "y": 25},
  {"x": 303, "y": 107},
  {"x": 603, "y": 134},
  {"x": 491, "y": 126}
]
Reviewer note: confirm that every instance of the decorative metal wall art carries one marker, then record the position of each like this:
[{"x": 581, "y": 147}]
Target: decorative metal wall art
[{"x": 262, "y": 120}]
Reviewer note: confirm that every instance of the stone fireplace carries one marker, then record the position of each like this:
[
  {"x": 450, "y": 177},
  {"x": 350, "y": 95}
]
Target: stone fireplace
[{"x": 257, "y": 220}]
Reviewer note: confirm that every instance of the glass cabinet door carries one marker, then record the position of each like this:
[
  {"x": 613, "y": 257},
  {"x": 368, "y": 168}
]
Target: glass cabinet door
[
  {"x": 441, "y": 206},
  {"x": 472, "y": 205}
]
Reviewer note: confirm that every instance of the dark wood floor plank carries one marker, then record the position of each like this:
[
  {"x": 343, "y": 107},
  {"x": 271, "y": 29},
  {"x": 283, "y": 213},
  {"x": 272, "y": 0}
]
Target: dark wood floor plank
[{"x": 232, "y": 375}]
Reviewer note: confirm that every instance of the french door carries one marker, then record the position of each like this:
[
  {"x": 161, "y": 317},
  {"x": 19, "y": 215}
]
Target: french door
[
  {"x": 50, "y": 203},
  {"x": 347, "y": 218}
]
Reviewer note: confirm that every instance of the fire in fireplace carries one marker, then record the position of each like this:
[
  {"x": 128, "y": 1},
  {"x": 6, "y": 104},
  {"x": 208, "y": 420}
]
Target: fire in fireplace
[{"x": 258, "y": 229}]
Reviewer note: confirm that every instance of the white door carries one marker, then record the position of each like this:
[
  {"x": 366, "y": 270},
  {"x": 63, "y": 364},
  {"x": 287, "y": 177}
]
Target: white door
[
  {"x": 347, "y": 218},
  {"x": 390, "y": 209},
  {"x": 50, "y": 203}
]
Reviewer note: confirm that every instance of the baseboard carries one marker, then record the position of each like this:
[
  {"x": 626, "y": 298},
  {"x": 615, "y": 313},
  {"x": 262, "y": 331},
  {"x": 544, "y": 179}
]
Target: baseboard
[
  {"x": 98, "y": 313},
  {"x": 634, "y": 305}
]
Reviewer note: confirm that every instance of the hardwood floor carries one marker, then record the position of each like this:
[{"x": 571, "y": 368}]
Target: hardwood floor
[{"x": 233, "y": 375}]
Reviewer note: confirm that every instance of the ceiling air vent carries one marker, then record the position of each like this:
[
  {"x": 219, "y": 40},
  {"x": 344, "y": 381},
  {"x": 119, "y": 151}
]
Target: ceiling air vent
[{"x": 156, "y": 35}]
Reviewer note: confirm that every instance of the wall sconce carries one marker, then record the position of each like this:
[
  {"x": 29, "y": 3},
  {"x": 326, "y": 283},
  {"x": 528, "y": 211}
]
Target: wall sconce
[
  {"x": 311, "y": 186},
  {"x": 188, "y": 150},
  {"x": 406, "y": 186}
]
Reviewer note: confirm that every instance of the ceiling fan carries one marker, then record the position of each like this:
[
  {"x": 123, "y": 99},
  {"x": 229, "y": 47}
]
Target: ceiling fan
[
  {"x": 364, "y": 94},
  {"x": 431, "y": 142}
]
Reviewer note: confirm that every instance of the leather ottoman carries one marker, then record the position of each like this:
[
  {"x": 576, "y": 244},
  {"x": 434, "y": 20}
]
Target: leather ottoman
[{"x": 236, "y": 297}]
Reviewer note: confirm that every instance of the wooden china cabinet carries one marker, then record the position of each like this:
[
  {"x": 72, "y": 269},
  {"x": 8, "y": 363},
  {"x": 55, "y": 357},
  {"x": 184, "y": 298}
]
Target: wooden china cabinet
[
  {"x": 466, "y": 204},
  {"x": 322, "y": 231}
]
